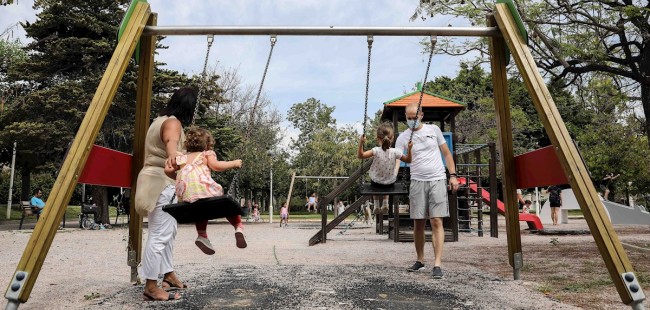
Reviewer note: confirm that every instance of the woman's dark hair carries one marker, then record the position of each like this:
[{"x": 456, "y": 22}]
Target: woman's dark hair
[
  {"x": 198, "y": 140},
  {"x": 181, "y": 105},
  {"x": 385, "y": 135}
]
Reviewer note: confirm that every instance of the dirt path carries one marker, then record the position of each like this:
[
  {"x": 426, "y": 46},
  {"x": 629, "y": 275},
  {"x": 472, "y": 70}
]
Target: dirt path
[{"x": 358, "y": 270}]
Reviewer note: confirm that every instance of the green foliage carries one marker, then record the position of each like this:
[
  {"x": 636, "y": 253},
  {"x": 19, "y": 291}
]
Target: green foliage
[
  {"x": 72, "y": 44},
  {"x": 571, "y": 42},
  {"x": 323, "y": 148},
  {"x": 310, "y": 117}
]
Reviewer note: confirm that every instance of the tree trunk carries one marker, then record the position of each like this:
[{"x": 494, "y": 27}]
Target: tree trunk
[
  {"x": 100, "y": 198},
  {"x": 26, "y": 191},
  {"x": 644, "y": 67},
  {"x": 645, "y": 99}
]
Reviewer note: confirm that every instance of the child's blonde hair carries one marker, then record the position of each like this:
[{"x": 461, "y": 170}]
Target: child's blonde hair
[
  {"x": 385, "y": 135},
  {"x": 198, "y": 140}
]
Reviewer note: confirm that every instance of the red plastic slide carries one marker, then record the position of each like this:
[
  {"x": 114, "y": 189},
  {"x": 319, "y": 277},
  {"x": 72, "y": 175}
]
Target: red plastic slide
[{"x": 533, "y": 221}]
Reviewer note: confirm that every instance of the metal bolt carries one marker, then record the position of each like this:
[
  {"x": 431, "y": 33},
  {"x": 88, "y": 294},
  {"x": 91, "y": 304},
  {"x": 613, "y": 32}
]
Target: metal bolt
[
  {"x": 634, "y": 288},
  {"x": 629, "y": 277},
  {"x": 20, "y": 276},
  {"x": 15, "y": 287}
]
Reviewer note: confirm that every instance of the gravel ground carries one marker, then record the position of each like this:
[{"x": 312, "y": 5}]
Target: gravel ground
[{"x": 278, "y": 270}]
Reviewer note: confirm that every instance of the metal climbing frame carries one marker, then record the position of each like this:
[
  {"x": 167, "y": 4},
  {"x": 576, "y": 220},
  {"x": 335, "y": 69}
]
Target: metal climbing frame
[{"x": 477, "y": 168}]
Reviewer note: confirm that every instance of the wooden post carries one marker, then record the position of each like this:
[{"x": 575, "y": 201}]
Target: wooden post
[
  {"x": 142, "y": 113},
  {"x": 615, "y": 257},
  {"x": 30, "y": 264},
  {"x": 293, "y": 177},
  {"x": 504, "y": 125},
  {"x": 494, "y": 215}
]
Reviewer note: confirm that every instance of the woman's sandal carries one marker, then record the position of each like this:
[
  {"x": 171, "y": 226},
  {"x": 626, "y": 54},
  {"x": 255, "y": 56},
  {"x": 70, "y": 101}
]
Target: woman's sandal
[
  {"x": 172, "y": 286},
  {"x": 171, "y": 297}
]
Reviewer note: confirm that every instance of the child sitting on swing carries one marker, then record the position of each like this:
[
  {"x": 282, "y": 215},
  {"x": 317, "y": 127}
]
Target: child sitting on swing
[
  {"x": 193, "y": 181},
  {"x": 383, "y": 172}
]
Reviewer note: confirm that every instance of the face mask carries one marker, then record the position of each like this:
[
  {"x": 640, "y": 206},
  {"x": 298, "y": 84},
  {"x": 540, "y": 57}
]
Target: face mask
[{"x": 413, "y": 123}]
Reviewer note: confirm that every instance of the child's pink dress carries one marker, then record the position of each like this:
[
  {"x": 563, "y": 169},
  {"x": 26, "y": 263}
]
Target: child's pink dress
[{"x": 193, "y": 180}]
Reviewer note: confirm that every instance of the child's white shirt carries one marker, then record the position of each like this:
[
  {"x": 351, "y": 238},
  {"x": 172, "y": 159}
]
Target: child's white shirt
[{"x": 383, "y": 170}]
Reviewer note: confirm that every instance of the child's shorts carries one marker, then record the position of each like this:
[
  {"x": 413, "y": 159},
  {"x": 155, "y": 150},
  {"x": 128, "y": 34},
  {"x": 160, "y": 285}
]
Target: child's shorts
[{"x": 283, "y": 216}]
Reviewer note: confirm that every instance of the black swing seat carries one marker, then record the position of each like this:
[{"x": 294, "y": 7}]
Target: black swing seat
[
  {"x": 204, "y": 209},
  {"x": 398, "y": 188}
]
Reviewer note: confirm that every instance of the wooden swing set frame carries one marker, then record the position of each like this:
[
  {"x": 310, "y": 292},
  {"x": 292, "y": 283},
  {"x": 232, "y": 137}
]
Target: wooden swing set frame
[{"x": 505, "y": 32}]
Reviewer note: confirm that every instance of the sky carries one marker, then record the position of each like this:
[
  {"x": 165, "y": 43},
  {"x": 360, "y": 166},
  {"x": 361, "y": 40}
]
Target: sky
[{"x": 330, "y": 69}]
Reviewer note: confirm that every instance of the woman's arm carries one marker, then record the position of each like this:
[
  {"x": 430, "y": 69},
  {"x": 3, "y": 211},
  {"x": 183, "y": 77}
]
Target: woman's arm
[
  {"x": 361, "y": 154},
  {"x": 170, "y": 134}
]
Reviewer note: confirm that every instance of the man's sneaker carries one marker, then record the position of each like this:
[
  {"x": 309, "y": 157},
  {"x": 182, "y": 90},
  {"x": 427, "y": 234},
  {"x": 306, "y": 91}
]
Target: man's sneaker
[
  {"x": 418, "y": 266},
  {"x": 437, "y": 273}
]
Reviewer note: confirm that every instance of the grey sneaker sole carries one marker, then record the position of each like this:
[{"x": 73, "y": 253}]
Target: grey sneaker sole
[
  {"x": 437, "y": 276},
  {"x": 415, "y": 270}
]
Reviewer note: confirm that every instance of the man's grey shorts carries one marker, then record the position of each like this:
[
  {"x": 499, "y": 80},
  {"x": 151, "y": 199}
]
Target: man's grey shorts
[{"x": 428, "y": 199}]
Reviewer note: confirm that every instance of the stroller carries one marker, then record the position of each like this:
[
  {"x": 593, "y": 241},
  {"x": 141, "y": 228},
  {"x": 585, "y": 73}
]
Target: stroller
[{"x": 85, "y": 220}]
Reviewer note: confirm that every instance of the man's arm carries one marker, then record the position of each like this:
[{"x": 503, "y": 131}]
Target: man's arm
[{"x": 449, "y": 161}]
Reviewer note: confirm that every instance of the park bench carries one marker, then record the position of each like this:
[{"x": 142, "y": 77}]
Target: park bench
[{"x": 27, "y": 210}]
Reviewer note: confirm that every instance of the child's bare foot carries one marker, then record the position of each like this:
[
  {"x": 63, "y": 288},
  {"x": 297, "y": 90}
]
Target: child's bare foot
[
  {"x": 240, "y": 240},
  {"x": 205, "y": 245}
]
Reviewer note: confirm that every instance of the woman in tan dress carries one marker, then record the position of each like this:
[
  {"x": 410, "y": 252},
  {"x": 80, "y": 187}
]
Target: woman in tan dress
[{"x": 155, "y": 188}]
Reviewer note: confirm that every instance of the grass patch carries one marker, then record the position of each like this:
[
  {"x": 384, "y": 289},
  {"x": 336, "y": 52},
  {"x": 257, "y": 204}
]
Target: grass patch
[
  {"x": 71, "y": 213},
  {"x": 643, "y": 278},
  {"x": 557, "y": 278},
  {"x": 544, "y": 288},
  {"x": 92, "y": 296},
  {"x": 575, "y": 212},
  {"x": 583, "y": 286}
]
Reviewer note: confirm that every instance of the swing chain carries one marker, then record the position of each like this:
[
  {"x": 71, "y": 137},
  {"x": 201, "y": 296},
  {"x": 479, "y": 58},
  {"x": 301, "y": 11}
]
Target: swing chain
[
  {"x": 365, "y": 107},
  {"x": 234, "y": 185},
  {"x": 365, "y": 111},
  {"x": 204, "y": 81},
  {"x": 433, "y": 40}
]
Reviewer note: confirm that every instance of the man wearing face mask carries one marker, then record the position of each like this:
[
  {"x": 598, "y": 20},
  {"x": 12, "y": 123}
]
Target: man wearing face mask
[{"x": 428, "y": 190}]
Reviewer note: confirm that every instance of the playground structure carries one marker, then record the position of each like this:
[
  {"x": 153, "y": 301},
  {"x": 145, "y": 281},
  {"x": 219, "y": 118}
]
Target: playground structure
[
  {"x": 505, "y": 31},
  {"x": 472, "y": 166}
]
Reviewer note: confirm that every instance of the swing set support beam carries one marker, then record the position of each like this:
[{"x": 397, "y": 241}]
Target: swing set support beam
[{"x": 321, "y": 31}]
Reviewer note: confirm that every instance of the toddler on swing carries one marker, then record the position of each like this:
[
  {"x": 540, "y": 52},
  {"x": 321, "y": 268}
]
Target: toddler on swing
[
  {"x": 383, "y": 172},
  {"x": 193, "y": 181}
]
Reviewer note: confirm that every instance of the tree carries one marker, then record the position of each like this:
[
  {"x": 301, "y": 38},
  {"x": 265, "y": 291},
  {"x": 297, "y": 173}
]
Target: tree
[
  {"x": 72, "y": 44},
  {"x": 309, "y": 117},
  {"x": 323, "y": 148},
  {"x": 572, "y": 40}
]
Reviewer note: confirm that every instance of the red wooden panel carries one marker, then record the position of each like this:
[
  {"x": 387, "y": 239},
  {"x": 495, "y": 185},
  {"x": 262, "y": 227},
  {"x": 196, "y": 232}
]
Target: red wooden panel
[
  {"x": 539, "y": 168},
  {"x": 107, "y": 167}
]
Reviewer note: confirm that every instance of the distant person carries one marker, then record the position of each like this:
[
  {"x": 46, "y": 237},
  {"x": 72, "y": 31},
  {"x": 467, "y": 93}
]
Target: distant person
[
  {"x": 36, "y": 202},
  {"x": 284, "y": 214},
  {"x": 383, "y": 172},
  {"x": 340, "y": 207},
  {"x": 607, "y": 180},
  {"x": 311, "y": 202},
  {"x": 555, "y": 200},
  {"x": 256, "y": 212},
  {"x": 520, "y": 199},
  {"x": 527, "y": 205},
  {"x": 428, "y": 189}
]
